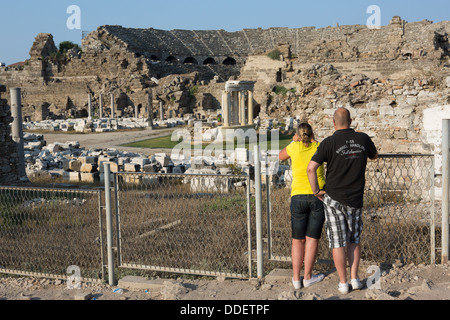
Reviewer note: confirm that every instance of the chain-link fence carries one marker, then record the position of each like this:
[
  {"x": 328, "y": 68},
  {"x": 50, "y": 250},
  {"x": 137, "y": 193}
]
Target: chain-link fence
[
  {"x": 204, "y": 224},
  {"x": 45, "y": 231},
  {"x": 398, "y": 214},
  {"x": 185, "y": 223}
]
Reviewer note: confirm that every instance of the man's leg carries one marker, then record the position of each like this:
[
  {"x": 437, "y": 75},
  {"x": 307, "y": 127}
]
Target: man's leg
[
  {"x": 354, "y": 255},
  {"x": 340, "y": 262},
  {"x": 354, "y": 248},
  {"x": 336, "y": 227}
]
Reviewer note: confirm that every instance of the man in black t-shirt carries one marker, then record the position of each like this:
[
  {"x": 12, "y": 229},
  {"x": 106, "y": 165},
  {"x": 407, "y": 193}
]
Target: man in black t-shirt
[{"x": 346, "y": 153}]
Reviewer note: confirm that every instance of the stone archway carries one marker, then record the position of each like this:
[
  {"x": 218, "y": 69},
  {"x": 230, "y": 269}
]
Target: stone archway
[
  {"x": 172, "y": 60},
  {"x": 229, "y": 61},
  {"x": 209, "y": 61},
  {"x": 154, "y": 59},
  {"x": 190, "y": 60}
]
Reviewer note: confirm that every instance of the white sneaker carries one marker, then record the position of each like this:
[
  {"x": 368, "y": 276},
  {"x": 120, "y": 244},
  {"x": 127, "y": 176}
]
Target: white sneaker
[
  {"x": 343, "y": 288},
  {"x": 356, "y": 284},
  {"x": 314, "y": 279},
  {"x": 297, "y": 284}
]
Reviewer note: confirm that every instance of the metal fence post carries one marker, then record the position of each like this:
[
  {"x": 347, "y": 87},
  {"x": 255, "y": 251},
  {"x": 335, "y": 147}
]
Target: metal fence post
[
  {"x": 249, "y": 225},
  {"x": 433, "y": 217},
  {"x": 268, "y": 209},
  {"x": 445, "y": 187},
  {"x": 258, "y": 205},
  {"x": 117, "y": 214},
  {"x": 109, "y": 227}
]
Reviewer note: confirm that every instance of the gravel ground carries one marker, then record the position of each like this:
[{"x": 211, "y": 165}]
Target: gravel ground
[{"x": 399, "y": 282}]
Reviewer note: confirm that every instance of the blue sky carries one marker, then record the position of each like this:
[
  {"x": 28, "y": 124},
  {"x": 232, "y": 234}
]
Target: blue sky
[{"x": 22, "y": 20}]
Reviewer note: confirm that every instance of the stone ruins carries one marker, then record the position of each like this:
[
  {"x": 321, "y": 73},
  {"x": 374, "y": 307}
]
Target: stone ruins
[
  {"x": 9, "y": 155},
  {"x": 395, "y": 80}
]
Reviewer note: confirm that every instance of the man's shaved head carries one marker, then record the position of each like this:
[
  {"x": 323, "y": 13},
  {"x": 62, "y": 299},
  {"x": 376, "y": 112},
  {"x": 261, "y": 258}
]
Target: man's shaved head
[{"x": 342, "y": 118}]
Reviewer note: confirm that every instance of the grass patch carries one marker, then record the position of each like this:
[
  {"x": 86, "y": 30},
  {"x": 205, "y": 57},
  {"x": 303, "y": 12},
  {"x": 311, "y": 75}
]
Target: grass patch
[
  {"x": 282, "y": 90},
  {"x": 165, "y": 142}
]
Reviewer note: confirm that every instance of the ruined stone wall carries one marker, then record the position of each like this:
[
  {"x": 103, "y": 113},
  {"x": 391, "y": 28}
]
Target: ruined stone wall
[
  {"x": 333, "y": 44},
  {"x": 402, "y": 115},
  {"x": 9, "y": 157}
]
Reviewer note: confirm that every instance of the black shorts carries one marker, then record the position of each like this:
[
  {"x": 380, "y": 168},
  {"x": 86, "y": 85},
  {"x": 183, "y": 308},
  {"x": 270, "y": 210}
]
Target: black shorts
[{"x": 307, "y": 216}]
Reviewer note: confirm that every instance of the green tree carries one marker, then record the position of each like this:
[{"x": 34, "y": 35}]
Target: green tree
[{"x": 67, "y": 45}]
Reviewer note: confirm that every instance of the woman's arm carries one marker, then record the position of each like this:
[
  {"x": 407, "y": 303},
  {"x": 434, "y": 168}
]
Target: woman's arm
[{"x": 283, "y": 155}]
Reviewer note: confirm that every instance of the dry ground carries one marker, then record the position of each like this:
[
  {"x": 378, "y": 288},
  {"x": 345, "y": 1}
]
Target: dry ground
[{"x": 398, "y": 282}]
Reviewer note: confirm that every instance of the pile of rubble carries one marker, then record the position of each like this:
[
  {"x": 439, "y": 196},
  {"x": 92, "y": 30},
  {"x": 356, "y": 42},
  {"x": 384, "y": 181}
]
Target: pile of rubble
[
  {"x": 86, "y": 125},
  {"x": 76, "y": 164}
]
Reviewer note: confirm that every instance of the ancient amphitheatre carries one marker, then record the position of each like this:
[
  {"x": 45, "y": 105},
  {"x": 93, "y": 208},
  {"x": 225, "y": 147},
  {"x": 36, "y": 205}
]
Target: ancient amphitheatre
[{"x": 395, "y": 80}]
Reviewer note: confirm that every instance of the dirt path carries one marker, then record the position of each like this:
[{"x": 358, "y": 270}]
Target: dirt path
[{"x": 111, "y": 139}]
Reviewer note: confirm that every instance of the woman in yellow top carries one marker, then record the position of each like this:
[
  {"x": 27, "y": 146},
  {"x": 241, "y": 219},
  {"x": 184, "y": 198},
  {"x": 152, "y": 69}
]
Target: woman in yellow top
[{"x": 307, "y": 212}]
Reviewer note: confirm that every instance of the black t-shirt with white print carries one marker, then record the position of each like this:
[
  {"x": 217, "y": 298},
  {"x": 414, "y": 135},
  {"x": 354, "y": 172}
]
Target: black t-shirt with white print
[{"x": 346, "y": 153}]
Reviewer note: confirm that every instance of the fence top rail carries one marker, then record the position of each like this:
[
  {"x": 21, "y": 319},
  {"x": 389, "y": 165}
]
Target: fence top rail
[
  {"x": 79, "y": 191},
  {"x": 406, "y": 155},
  {"x": 181, "y": 175}
]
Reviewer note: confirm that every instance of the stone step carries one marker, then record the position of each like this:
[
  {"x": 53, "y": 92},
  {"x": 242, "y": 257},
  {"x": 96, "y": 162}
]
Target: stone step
[{"x": 140, "y": 283}]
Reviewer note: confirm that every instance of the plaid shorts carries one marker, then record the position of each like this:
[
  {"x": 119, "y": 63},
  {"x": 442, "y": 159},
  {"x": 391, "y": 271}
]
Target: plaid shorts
[{"x": 343, "y": 224}]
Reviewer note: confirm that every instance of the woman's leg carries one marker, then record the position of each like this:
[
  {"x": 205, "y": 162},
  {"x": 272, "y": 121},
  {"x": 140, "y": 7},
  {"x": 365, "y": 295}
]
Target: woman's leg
[
  {"x": 298, "y": 255},
  {"x": 316, "y": 221},
  {"x": 311, "y": 247},
  {"x": 299, "y": 220}
]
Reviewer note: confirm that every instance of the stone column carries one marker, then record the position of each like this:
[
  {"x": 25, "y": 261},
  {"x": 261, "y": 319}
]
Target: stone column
[
  {"x": 150, "y": 109},
  {"x": 242, "y": 108},
  {"x": 113, "y": 107},
  {"x": 136, "y": 112},
  {"x": 17, "y": 128},
  {"x": 250, "y": 108},
  {"x": 89, "y": 106},
  {"x": 161, "y": 110},
  {"x": 100, "y": 108},
  {"x": 226, "y": 108}
]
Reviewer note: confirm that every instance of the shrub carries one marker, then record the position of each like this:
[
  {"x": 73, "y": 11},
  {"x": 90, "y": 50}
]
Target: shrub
[
  {"x": 274, "y": 55},
  {"x": 282, "y": 90},
  {"x": 193, "y": 91}
]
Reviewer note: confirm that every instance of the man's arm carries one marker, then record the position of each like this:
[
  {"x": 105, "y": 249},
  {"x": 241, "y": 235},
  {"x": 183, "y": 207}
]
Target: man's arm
[
  {"x": 372, "y": 150},
  {"x": 312, "y": 177},
  {"x": 375, "y": 157}
]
